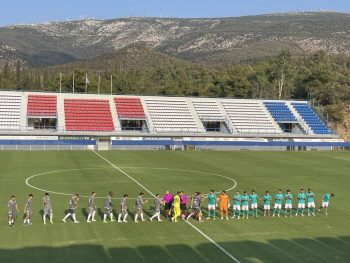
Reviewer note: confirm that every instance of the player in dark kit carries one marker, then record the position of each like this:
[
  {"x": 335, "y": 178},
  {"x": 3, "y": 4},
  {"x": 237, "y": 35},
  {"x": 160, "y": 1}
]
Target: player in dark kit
[
  {"x": 196, "y": 206},
  {"x": 108, "y": 208},
  {"x": 92, "y": 208},
  {"x": 157, "y": 204},
  {"x": 47, "y": 207},
  {"x": 28, "y": 210},
  {"x": 73, "y": 205},
  {"x": 12, "y": 210},
  {"x": 123, "y": 209},
  {"x": 138, "y": 206}
]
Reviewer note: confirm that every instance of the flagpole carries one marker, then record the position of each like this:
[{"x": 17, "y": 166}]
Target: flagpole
[
  {"x": 98, "y": 85},
  {"x": 86, "y": 83},
  {"x": 73, "y": 83},
  {"x": 60, "y": 82},
  {"x": 111, "y": 84}
]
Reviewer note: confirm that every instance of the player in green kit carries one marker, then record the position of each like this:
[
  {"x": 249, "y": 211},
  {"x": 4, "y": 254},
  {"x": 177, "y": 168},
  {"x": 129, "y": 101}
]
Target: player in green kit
[
  {"x": 288, "y": 205},
  {"x": 267, "y": 203},
  {"x": 325, "y": 202},
  {"x": 236, "y": 205},
  {"x": 253, "y": 198},
  {"x": 310, "y": 202},
  {"x": 211, "y": 204},
  {"x": 301, "y": 202},
  {"x": 278, "y": 203},
  {"x": 245, "y": 205}
]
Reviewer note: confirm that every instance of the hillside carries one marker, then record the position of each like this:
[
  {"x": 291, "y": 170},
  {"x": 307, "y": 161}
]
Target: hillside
[
  {"x": 136, "y": 57},
  {"x": 216, "y": 40}
]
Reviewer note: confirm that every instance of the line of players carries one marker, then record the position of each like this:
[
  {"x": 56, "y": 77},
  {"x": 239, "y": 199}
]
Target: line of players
[{"x": 175, "y": 206}]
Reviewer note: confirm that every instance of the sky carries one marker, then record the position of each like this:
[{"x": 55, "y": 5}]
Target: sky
[{"x": 39, "y": 11}]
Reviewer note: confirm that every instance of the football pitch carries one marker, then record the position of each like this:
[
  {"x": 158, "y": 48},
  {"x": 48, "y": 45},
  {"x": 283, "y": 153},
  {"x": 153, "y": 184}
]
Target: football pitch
[{"x": 308, "y": 239}]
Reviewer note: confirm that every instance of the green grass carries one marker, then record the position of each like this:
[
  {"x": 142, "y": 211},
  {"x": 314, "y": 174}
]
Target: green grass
[{"x": 309, "y": 239}]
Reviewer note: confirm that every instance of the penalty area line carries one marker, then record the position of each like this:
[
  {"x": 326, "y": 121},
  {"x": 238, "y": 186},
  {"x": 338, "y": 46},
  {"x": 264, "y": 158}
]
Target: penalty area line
[{"x": 189, "y": 223}]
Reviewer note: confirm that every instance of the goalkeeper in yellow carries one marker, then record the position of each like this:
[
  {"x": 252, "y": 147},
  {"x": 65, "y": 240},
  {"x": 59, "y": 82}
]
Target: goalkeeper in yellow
[{"x": 176, "y": 207}]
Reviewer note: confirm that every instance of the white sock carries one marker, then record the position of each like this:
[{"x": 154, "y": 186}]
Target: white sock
[
  {"x": 67, "y": 215},
  {"x": 93, "y": 215},
  {"x": 111, "y": 216},
  {"x": 125, "y": 216},
  {"x": 88, "y": 218},
  {"x": 51, "y": 217},
  {"x": 10, "y": 222},
  {"x": 74, "y": 218},
  {"x": 104, "y": 217},
  {"x": 44, "y": 219},
  {"x": 119, "y": 217},
  {"x": 158, "y": 216},
  {"x": 136, "y": 216},
  {"x": 141, "y": 214}
]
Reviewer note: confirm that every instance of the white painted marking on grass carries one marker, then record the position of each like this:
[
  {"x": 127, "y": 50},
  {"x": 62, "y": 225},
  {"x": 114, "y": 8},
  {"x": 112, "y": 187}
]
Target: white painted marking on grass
[
  {"x": 342, "y": 158},
  {"x": 188, "y": 171},
  {"x": 213, "y": 242},
  {"x": 57, "y": 171},
  {"x": 120, "y": 170},
  {"x": 27, "y": 181},
  {"x": 285, "y": 253},
  {"x": 307, "y": 249},
  {"x": 190, "y": 224}
]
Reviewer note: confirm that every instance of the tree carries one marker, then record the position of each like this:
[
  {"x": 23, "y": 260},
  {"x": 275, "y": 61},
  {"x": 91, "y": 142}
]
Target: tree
[{"x": 282, "y": 73}]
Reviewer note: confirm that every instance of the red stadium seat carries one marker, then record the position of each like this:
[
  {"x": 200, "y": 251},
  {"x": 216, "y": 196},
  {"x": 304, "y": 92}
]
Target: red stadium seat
[
  {"x": 42, "y": 105},
  {"x": 88, "y": 115},
  {"x": 129, "y": 108}
]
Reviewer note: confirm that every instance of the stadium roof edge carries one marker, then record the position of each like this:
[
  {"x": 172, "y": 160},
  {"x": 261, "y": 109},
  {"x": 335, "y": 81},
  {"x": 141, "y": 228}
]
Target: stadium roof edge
[{"x": 89, "y": 95}]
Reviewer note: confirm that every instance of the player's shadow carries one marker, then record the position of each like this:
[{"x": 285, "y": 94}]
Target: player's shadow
[
  {"x": 319, "y": 249},
  {"x": 41, "y": 213},
  {"x": 66, "y": 212},
  {"x": 150, "y": 211},
  {"x": 100, "y": 213},
  {"x": 205, "y": 211},
  {"x": 131, "y": 214},
  {"x": 85, "y": 212}
]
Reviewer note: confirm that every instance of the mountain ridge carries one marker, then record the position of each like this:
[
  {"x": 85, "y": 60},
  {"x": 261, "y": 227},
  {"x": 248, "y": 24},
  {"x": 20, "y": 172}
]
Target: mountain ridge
[{"x": 208, "y": 40}]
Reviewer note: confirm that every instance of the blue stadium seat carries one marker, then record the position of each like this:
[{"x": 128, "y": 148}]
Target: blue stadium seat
[
  {"x": 280, "y": 112},
  {"x": 311, "y": 118}
]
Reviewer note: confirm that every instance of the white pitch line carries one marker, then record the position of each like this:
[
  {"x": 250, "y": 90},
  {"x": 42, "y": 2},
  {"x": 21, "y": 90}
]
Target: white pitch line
[
  {"x": 27, "y": 181},
  {"x": 342, "y": 158},
  {"x": 285, "y": 253},
  {"x": 120, "y": 170},
  {"x": 189, "y": 223},
  {"x": 213, "y": 242}
]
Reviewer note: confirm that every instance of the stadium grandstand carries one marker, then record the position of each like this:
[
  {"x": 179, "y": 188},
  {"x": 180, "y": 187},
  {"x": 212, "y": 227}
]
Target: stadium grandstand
[{"x": 30, "y": 120}]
